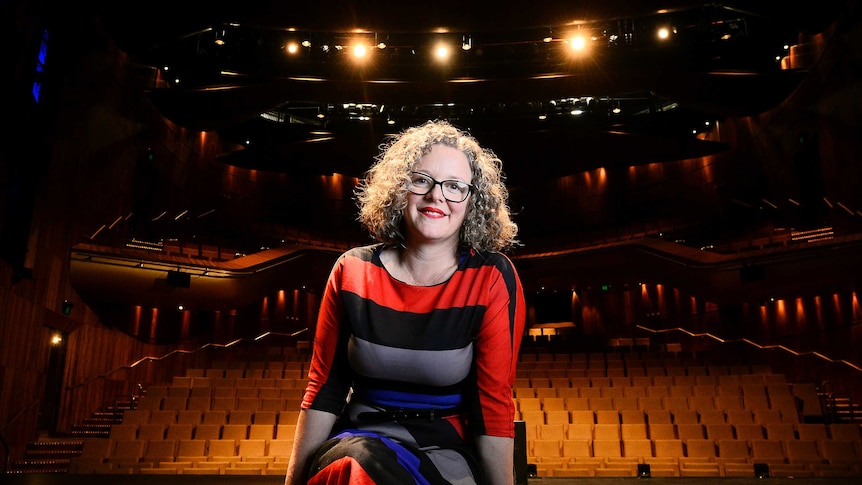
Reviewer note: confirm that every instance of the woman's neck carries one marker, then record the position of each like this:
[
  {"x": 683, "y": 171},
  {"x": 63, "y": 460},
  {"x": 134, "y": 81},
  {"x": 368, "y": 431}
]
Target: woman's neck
[{"x": 423, "y": 266}]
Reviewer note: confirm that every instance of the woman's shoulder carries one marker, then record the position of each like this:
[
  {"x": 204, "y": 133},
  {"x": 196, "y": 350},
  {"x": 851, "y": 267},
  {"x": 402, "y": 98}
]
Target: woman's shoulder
[
  {"x": 363, "y": 253},
  {"x": 476, "y": 258}
]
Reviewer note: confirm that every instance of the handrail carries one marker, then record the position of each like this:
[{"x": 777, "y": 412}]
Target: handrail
[
  {"x": 184, "y": 352},
  {"x": 3, "y": 428},
  {"x": 796, "y": 353}
]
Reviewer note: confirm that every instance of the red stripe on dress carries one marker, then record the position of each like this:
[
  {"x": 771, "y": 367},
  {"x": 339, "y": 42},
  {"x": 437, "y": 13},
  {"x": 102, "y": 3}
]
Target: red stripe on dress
[
  {"x": 466, "y": 288},
  {"x": 344, "y": 471}
]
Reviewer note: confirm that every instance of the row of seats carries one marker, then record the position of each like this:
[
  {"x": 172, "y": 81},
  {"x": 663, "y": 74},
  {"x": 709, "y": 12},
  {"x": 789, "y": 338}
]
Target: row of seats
[
  {"x": 695, "y": 457},
  {"x": 219, "y": 403},
  {"x": 657, "y": 416},
  {"x": 749, "y": 391},
  {"x": 685, "y": 431},
  {"x": 195, "y": 417},
  {"x": 280, "y": 391},
  {"x": 543, "y": 379},
  {"x": 182, "y": 431},
  {"x": 215, "y": 456},
  {"x": 598, "y": 358},
  {"x": 631, "y": 369},
  {"x": 298, "y": 379},
  {"x": 529, "y": 402}
]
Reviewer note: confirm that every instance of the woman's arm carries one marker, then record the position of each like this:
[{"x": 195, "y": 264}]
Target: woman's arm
[
  {"x": 497, "y": 456},
  {"x": 312, "y": 429}
]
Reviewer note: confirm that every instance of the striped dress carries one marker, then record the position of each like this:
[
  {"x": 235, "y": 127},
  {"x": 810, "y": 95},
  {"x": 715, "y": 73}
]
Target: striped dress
[{"x": 421, "y": 369}]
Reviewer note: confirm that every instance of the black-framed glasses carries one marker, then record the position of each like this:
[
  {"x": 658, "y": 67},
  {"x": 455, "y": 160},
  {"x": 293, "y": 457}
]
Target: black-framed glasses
[{"x": 453, "y": 190}]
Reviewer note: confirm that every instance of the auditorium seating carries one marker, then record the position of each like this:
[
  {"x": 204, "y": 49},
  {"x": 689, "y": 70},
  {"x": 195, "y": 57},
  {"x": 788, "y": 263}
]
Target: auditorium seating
[
  {"x": 596, "y": 414},
  {"x": 681, "y": 417},
  {"x": 220, "y": 420}
]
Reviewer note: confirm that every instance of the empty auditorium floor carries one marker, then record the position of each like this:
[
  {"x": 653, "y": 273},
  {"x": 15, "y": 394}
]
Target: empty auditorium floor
[{"x": 55, "y": 479}]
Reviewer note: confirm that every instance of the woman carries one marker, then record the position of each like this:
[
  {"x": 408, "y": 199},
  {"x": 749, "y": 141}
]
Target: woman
[{"x": 418, "y": 335}]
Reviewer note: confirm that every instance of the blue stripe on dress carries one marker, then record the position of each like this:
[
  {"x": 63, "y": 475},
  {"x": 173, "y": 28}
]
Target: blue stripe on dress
[
  {"x": 390, "y": 398},
  {"x": 405, "y": 458}
]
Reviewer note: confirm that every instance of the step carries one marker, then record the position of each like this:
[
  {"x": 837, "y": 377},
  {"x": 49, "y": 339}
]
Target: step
[
  {"x": 55, "y": 443},
  {"x": 51, "y": 454},
  {"x": 90, "y": 433},
  {"x": 40, "y": 467},
  {"x": 42, "y": 464},
  {"x": 47, "y": 471}
]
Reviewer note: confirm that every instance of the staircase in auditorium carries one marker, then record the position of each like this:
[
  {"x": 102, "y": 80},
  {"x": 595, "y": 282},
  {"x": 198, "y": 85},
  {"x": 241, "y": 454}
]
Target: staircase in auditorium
[{"x": 54, "y": 454}]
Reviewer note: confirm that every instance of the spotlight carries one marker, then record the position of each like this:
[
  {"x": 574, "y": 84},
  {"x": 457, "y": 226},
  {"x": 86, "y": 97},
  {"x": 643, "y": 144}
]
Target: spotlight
[
  {"x": 578, "y": 43},
  {"x": 441, "y": 52},
  {"x": 359, "y": 50},
  {"x": 466, "y": 42},
  {"x": 56, "y": 339}
]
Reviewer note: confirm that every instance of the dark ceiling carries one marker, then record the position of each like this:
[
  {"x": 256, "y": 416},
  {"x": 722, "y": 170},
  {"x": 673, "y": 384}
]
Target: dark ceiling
[
  {"x": 322, "y": 114},
  {"x": 640, "y": 101}
]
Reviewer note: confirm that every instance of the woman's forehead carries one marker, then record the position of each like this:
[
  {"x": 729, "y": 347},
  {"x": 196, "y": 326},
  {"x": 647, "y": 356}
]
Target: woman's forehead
[{"x": 444, "y": 160}]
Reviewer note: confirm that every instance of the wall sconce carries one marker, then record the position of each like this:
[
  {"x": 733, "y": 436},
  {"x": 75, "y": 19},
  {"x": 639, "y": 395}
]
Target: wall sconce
[
  {"x": 67, "y": 307},
  {"x": 56, "y": 339}
]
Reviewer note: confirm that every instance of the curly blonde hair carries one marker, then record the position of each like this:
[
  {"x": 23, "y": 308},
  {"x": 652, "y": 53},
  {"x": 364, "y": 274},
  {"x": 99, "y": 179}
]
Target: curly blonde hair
[{"x": 382, "y": 194}]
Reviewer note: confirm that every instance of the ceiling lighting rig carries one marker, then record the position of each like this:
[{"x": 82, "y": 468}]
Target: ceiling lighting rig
[{"x": 725, "y": 37}]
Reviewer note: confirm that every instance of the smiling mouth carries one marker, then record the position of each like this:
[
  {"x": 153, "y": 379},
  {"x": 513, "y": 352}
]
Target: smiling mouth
[{"x": 433, "y": 212}]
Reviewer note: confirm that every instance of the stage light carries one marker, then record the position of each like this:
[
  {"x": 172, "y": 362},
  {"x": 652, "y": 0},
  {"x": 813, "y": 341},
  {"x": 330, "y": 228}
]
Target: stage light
[
  {"x": 466, "y": 42},
  {"x": 441, "y": 52},
  {"x": 578, "y": 44},
  {"x": 291, "y": 48},
  {"x": 359, "y": 51}
]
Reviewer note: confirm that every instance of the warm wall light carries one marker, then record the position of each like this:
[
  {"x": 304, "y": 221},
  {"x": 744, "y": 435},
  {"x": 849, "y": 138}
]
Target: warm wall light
[
  {"x": 56, "y": 339},
  {"x": 291, "y": 48},
  {"x": 441, "y": 52}
]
